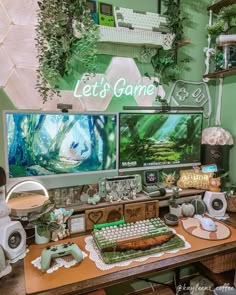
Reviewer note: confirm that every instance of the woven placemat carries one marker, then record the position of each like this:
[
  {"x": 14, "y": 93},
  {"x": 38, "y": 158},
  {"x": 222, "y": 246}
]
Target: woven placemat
[{"x": 193, "y": 227}]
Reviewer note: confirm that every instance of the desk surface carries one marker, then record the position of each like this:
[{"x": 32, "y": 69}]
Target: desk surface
[{"x": 90, "y": 278}]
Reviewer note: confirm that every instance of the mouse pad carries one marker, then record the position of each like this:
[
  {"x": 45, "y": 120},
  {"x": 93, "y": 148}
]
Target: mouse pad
[{"x": 194, "y": 227}]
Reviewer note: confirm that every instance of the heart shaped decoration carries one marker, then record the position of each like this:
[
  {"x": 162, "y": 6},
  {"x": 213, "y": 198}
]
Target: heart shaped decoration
[{"x": 95, "y": 216}]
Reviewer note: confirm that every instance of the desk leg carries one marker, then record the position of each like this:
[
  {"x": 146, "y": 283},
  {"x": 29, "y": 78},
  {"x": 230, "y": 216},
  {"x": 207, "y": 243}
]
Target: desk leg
[
  {"x": 235, "y": 278},
  {"x": 177, "y": 278}
]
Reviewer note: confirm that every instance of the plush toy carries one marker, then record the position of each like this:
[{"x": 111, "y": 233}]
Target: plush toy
[{"x": 214, "y": 184}]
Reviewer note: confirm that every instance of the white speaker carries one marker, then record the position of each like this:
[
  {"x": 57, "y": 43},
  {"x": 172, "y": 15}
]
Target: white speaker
[
  {"x": 12, "y": 233},
  {"x": 216, "y": 203},
  {"x": 12, "y": 239}
]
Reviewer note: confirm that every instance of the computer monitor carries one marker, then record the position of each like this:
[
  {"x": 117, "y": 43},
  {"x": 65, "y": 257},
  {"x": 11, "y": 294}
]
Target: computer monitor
[
  {"x": 159, "y": 140},
  {"x": 60, "y": 149}
]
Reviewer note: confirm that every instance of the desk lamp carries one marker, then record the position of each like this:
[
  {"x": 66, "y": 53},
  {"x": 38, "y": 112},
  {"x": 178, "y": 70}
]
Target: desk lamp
[{"x": 27, "y": 201}]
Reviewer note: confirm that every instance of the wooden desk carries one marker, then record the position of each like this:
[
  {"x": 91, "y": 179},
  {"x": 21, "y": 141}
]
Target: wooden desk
[{"x": 91, "y": 278}]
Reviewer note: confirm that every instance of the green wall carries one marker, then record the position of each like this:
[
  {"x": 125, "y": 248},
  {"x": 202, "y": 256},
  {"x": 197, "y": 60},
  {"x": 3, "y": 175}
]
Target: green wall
[
  {"x": 228, "y": 118},
  {"x": 194, "y": 28}
]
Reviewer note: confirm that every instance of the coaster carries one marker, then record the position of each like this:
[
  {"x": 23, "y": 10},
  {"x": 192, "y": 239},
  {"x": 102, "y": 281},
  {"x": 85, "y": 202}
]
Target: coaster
[{"x": 193, "y": 227}]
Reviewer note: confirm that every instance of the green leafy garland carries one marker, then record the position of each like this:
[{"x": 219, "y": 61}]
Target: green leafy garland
[
  {"x": 225, "y": 22},
  {"x": 66, "y": 35},
  {"x": 165, "y": 61}
]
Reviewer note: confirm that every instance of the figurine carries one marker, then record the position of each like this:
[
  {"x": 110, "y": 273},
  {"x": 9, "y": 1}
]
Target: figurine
[
  {"x": 214, "y": 184},
  {"x": 60, "y": 216},
  {"x": 94, "y": 199},
  {"x": 169, "y": 180}
]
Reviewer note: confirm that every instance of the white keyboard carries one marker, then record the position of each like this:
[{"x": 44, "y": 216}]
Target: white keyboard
[
  {"x": 138, "y": 20},
  {"x": 137, "y": 37}
]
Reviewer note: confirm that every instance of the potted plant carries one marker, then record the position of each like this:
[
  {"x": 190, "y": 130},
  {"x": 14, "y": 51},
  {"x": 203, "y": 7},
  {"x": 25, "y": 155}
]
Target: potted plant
[
  {"x": 175, "y": 208},
  {"x": 43, "y": 223},
  {"x": 225, "y": 22}
]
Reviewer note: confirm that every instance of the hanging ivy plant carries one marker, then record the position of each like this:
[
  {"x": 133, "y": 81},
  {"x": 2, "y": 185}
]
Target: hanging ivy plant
[
  {"x": 66, "y": 36},
  {"x": 225, "y": 22},
  {"x": 165, "y": 61}
]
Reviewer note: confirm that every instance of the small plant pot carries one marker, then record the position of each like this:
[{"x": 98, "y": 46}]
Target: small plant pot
[
  {"x": 176, "y": 211},
  {"x": 42, "y": 239}
]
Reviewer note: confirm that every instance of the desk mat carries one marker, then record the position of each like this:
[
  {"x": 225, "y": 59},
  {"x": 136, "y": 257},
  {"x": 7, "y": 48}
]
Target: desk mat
[
  {"x": 194, "y": 227},
  {"x": 36, "y": 281}
]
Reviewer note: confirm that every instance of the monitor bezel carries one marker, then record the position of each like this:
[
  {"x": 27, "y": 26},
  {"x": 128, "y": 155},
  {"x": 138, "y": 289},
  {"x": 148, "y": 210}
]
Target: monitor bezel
[
  {"x": 159, "y": 166},
  {"x": 63, "y": 179}
]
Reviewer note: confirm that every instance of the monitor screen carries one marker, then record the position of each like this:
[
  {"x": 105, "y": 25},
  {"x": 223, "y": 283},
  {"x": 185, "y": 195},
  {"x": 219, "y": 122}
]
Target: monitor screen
[
  {"x": 50, "y": 144},
  {"x": 106, "y": 9},
  {"x": 91, "y": 5},
  {"x": 159, "y": 140}
]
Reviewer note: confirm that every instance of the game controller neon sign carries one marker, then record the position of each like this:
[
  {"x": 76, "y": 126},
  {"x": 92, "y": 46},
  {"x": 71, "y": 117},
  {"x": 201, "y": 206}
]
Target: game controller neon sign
[{"x": 121, "y": 87}]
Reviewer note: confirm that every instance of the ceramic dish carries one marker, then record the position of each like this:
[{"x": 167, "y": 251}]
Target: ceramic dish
[{"x": 171, "y": 219}]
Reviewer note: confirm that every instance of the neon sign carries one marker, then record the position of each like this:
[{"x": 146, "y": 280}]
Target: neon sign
[{"x": 101, "y": 88}]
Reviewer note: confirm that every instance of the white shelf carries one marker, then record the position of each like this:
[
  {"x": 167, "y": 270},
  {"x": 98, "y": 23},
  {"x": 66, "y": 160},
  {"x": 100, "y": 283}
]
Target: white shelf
[{"x": 135, "y": 37}]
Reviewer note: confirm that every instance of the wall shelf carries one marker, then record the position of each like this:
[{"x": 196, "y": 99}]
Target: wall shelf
[
  {"x": 216, "y": 7},
  {"x": 135, "y": 37},
  {"x": 221, "y": 74}
]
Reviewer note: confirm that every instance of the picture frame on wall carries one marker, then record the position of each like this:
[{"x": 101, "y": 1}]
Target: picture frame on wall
[{"x": 76, "y": 224}]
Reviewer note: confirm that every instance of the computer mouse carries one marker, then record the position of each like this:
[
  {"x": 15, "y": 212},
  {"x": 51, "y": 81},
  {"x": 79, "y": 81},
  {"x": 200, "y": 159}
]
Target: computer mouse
[{"x": 206, "y": 222}]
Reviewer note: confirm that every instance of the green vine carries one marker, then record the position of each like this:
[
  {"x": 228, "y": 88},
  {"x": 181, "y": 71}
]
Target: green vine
[
  {"x": 165, "y": 61},
  {"x": 225, "y": 22},
  {"x": 66, "y": 35}
]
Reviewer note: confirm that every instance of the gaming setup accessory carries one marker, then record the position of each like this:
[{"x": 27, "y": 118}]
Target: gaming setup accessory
[
  {"x": 206, "y": 222},
  {"x": 92, "y": 6},
  {"x": 150, "y": 185},
  {"x": 105, "y": 14},
  {"x": 129, "y": 26},
  {"x": 120, "y": 187},
  {"x": 101, "y": 13},
  {"x": 130, "y": 240},
  {"x": 60, "y": 250},
  {"x": 12, "y": 237}
]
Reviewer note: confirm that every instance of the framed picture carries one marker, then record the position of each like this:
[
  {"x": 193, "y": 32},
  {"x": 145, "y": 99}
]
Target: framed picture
[{"x": 76, "y": 224}]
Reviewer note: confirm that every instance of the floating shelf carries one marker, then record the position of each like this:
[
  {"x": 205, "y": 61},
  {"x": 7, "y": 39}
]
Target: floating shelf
[
  {"x": 216, "y": 7},
  {"x": 221, "y": 74},
  {"x": 135, "y": 37}
]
